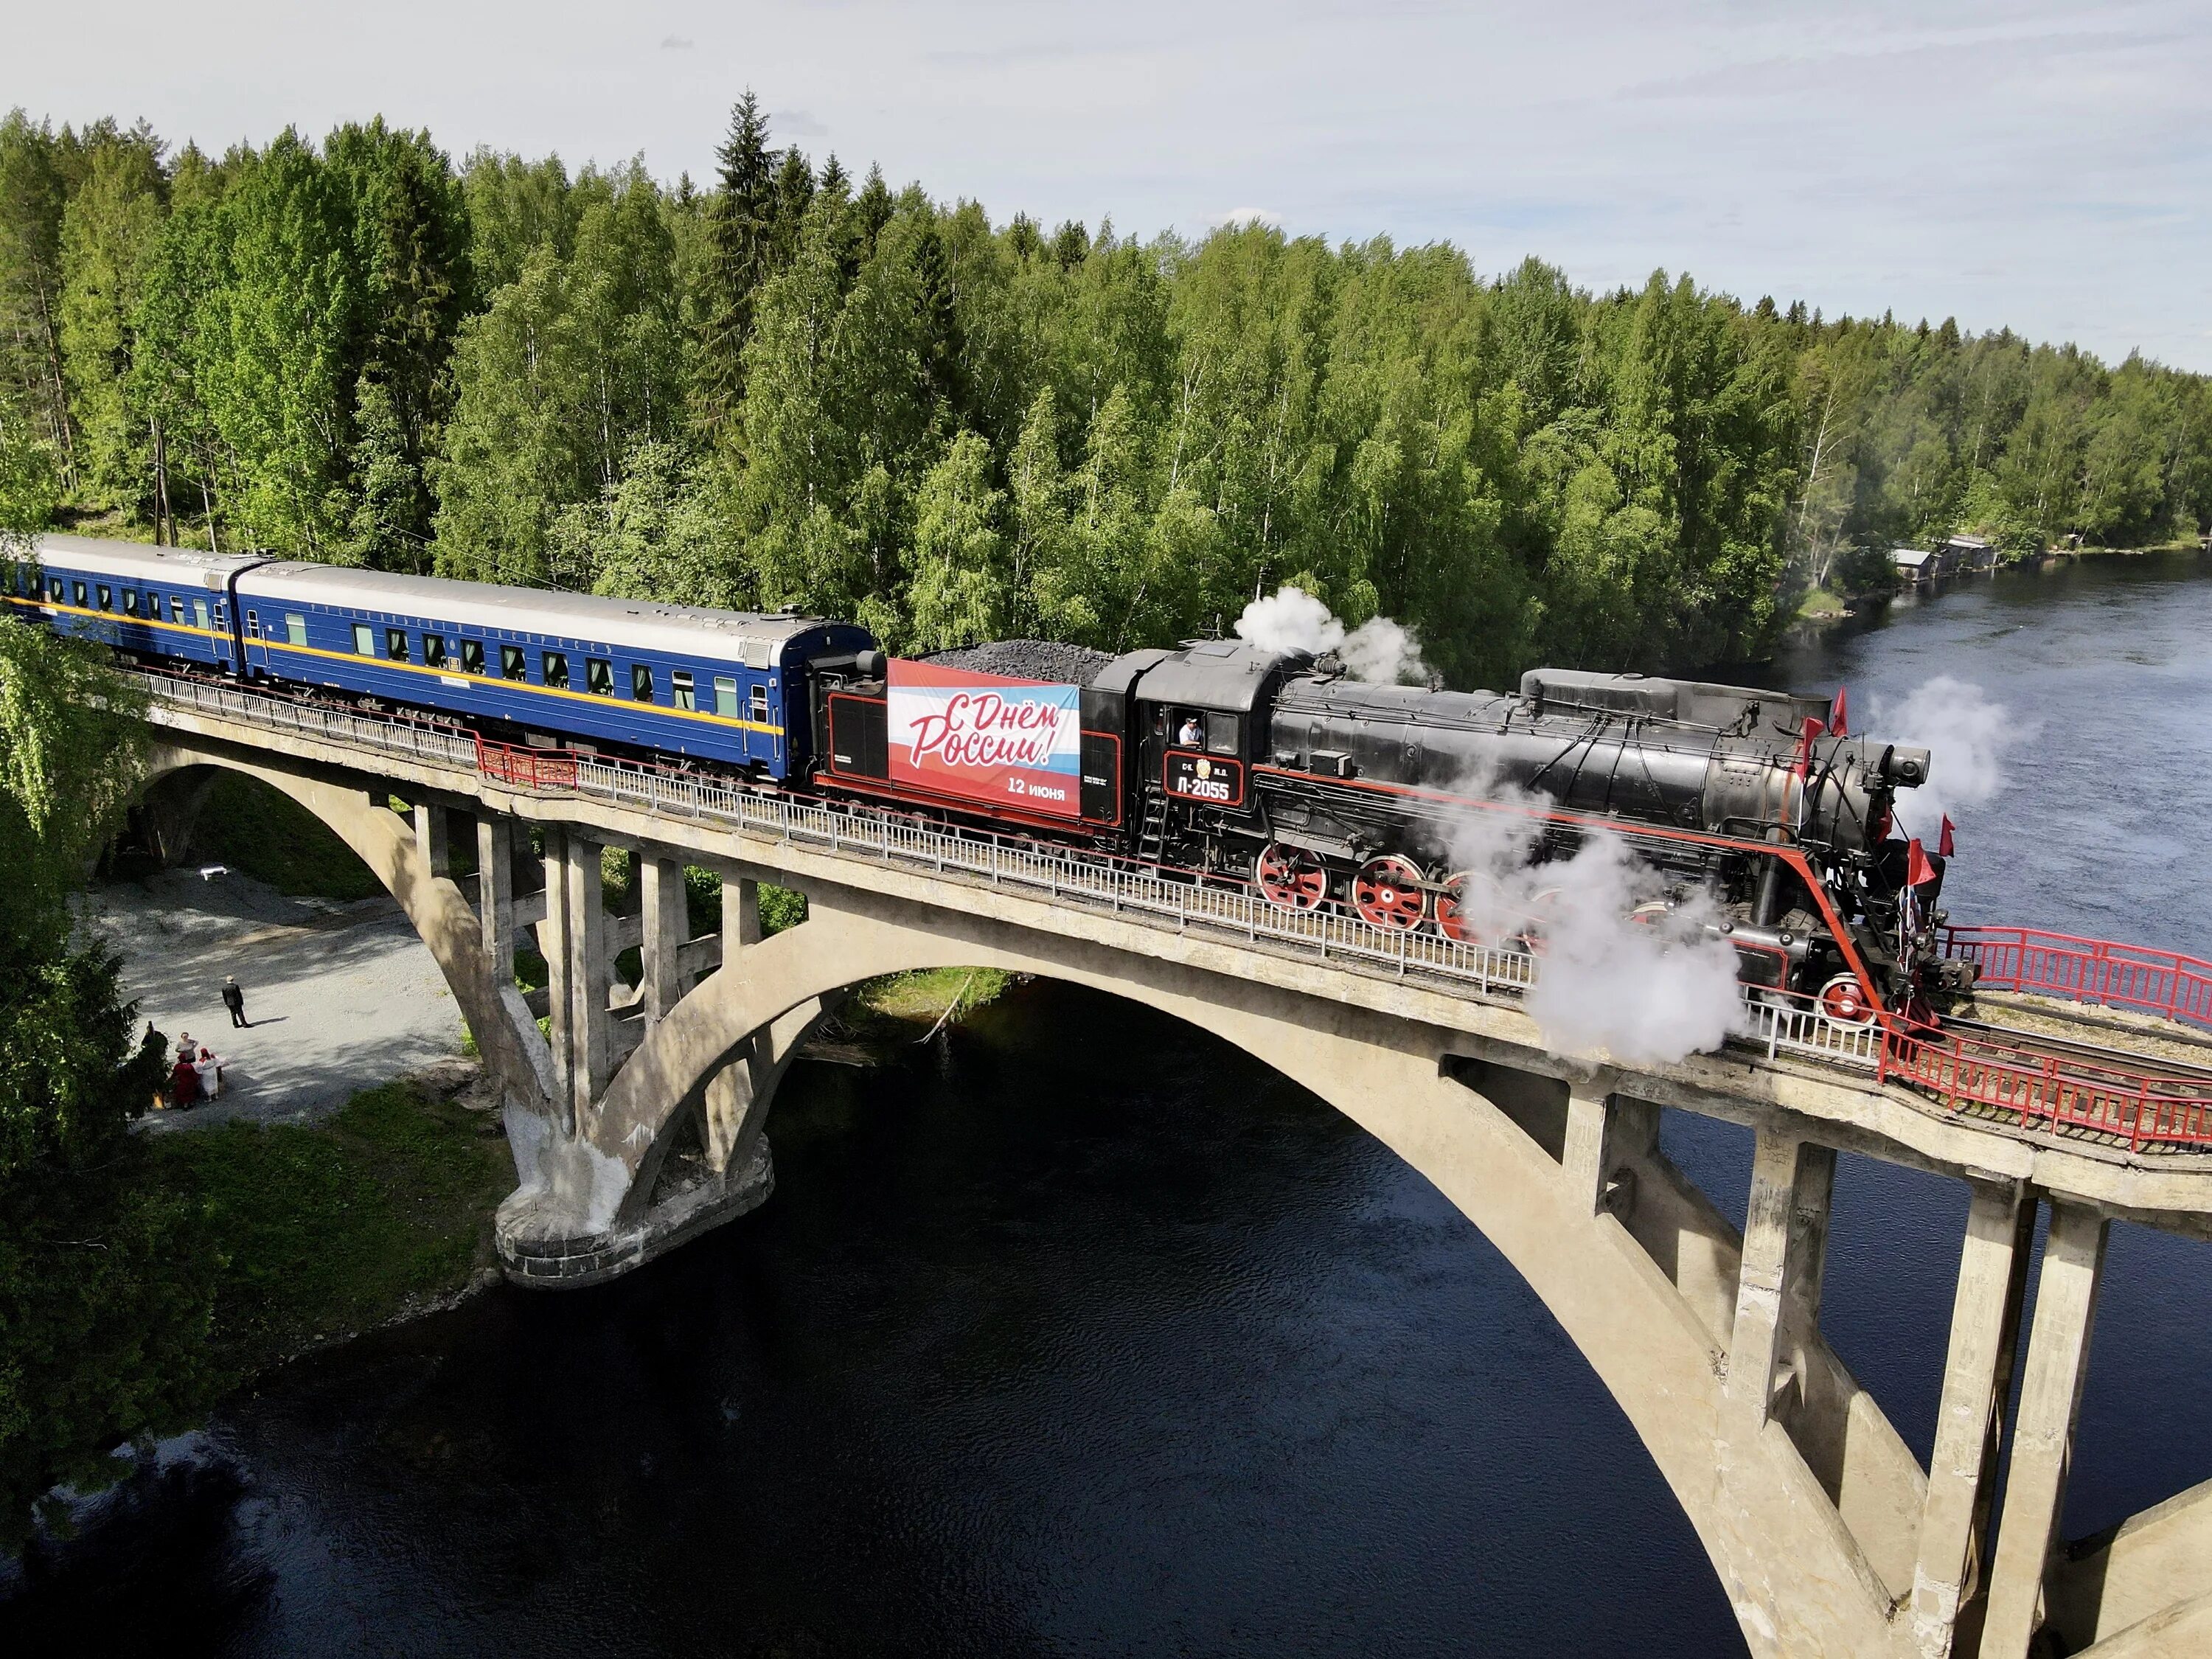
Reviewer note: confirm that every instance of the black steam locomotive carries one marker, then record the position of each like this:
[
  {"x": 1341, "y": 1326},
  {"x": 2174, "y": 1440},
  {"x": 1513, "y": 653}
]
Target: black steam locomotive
[{"x": 1231, "y": 761}]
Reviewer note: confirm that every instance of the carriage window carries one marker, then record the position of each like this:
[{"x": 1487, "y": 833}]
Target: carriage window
[
  {"x": 200, "y": 614},
  {"x": 364, "y": 639},
  {"x": 472, "y": 656},
  {"x": 395, "y": 644},
  {"x": 679, "y": 687},
  {"x": 725, "y": 696},
  {"x": 760, "y": 705},
  {"x": 1221, "y": 734},
  {"x": 55, "y": 588},
  {"x": 218, "y": 612},
  {"x": 513, "y": 665},
  {"x": 107, "y": 598},
  {"x": 295, "y": 627},
  {"x": 599, "y": 676},
  {"x": 77, "y": 588},
  {"x": 253, "y": 624},
  {"x": 555, "y": 664},
  {"x": 640, "y": 682},
  {"x": 176, "y": 610},
  {"x": 130, "y": 601},
  {"x": 434, "y": 650}
]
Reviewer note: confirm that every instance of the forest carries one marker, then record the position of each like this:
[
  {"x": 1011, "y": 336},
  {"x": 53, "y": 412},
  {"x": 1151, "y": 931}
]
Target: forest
[{"x": 788, "y": 385}]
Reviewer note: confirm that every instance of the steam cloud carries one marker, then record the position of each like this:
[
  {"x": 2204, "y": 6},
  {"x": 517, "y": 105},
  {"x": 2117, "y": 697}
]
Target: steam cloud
[
  {"x": 1379, "y": 651},
  {"x": 1637, "y": 992},
  {"x": 1968, "y": 735}
]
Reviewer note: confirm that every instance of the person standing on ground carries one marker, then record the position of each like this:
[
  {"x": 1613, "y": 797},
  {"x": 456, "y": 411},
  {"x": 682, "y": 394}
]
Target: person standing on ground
[{"x": 235, "y": 1000}]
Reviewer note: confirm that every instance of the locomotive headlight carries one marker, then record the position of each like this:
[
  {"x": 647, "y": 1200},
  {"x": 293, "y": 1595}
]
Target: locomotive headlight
[{"x": 1905, "y": 768}]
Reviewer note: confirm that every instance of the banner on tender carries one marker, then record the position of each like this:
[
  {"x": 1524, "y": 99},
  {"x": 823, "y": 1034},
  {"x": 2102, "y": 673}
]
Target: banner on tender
[{"x": 985, "y": 739}]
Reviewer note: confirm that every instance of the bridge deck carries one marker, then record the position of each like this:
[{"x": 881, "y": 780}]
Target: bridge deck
[{"x": 2126, "y": 1093}]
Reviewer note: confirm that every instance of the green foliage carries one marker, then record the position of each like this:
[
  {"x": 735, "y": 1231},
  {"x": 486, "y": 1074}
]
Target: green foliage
[
  {"x": 327, "y": 1229},
  {"x": 784, "y": 389},
  {"x": 104, "y": 1281},
  {"x": 269, "y": 837}
]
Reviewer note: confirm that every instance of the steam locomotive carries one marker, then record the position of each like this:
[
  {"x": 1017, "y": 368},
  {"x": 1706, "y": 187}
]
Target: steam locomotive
[{"x": 1220, "y": 759}]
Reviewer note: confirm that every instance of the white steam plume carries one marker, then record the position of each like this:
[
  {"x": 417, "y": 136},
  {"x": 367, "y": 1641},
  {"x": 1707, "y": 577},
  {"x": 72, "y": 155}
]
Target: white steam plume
[
  {"x": 1967, "y": 735},
  {"x": 1637, "y": 990},
  {"x": 1379, "y": 651}
]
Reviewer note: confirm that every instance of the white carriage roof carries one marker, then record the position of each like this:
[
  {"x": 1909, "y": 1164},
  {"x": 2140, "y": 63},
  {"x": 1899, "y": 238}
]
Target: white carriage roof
[
  {"x": 638, "y": 624},
  {"x": 181, "y": 567}
]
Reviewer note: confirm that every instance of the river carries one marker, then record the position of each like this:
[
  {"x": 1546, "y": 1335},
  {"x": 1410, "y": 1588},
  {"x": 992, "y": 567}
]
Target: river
[{"x": 1078, "y": 1333}]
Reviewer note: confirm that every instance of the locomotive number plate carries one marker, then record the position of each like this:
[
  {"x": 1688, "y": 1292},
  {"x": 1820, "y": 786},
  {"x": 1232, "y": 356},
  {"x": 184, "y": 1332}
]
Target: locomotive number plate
[{"x": 1203, "y": 777}]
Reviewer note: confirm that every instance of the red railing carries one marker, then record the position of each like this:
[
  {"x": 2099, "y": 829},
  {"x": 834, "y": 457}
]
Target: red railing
[
  {"x": 2086, "y": 971},
  {"x": 526, "y": 768},
  {"x": 2060, "y": 1091}
]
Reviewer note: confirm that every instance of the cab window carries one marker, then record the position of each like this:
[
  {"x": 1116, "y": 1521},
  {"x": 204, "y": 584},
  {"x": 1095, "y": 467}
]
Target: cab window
[
  {"x": 1221, "y": 734},
  {"x": 556, "y": 666},
  {"x": 364, "y": 639},
  {"x": 513, "y": 664},
  {"x": 640, "y": 682},
  {"x": 472, "y": 656},
  {"x": 679, "y": 687}
]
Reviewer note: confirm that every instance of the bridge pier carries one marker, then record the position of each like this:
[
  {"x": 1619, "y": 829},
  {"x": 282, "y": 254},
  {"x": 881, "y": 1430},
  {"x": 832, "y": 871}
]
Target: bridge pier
[
  {"x": 1946, "y": 1579},
  {"x": 2043, "y": 1438}
]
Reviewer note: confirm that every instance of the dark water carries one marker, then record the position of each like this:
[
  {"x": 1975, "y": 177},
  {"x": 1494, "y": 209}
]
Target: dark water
[{"x": 1080, "y": 1334}]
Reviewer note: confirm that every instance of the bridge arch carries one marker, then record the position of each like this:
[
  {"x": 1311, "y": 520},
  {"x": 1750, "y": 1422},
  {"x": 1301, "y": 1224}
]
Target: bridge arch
[{"x": 1800, "y": 1583}]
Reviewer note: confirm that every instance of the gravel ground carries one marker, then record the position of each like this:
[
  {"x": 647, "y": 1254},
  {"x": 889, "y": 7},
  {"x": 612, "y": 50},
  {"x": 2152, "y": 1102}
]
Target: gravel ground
[
  {"x": 1026, "y": 659},
  {"x": 341, "y": 997}
]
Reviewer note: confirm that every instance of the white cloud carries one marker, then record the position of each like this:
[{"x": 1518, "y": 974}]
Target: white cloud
[{"x": 2035, "y": 163}]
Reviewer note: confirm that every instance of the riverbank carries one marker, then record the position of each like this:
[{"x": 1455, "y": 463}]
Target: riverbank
[{"x": 381, "y": 1212}]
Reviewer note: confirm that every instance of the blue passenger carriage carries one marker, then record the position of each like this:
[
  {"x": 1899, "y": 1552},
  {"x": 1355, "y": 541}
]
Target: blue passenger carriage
[
  {"x": 718, "y": 685},
  {"x": 155, "y": 602}
]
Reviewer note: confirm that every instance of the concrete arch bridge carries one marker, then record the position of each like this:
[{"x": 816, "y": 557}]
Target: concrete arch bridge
[{"x": 638, "y": 1123}]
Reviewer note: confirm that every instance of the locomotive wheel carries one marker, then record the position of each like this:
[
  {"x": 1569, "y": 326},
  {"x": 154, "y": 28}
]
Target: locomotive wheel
[
  {"x": 1389, "y": 893},
  {"x": 1292, "y": 878},
  {"x": 1452, "y": 921},
  {"x": 1842, "y": 1000}
]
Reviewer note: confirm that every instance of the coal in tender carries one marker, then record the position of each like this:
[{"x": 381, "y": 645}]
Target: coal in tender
[{"x": 1026, "y": 659}]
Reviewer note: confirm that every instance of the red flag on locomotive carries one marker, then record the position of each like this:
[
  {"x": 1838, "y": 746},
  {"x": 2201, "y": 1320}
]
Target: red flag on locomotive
[
  {"x": 1918, "y": 873},
  {"x": 1838, "y": 718},
  {"x": 1944, "y": 840}
]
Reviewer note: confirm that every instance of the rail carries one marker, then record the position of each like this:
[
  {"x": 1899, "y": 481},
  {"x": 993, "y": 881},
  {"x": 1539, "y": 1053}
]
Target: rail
[
  {"x": 1957, "y": 1074},
  {"x": 2086, "y": 971}
]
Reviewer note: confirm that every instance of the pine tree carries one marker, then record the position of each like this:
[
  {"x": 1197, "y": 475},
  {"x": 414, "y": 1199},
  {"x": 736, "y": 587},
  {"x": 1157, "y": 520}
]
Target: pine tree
[{"x": 742, "y": 238}]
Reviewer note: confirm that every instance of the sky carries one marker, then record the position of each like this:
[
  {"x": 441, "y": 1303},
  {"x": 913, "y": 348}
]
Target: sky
[{"x": 2042, "y": 166}]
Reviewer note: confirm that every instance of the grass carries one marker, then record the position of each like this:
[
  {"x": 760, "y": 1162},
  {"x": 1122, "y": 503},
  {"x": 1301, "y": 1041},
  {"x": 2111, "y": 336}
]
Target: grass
[
  {"x": 272, "y": 838},
  {"x": 922, "y": 998},
  {"x": 327, "y": 1229},
  {"x": 1821, "y": 602}
]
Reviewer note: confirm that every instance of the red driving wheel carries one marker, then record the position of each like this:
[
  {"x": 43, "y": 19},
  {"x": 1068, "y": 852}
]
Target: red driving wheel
[
  {"x": 1292, "y": 878},
  {"x": 1843, "y": 999},
  {"x": 1452, "y": 919},
  {"x": 1388, "y": 894}
]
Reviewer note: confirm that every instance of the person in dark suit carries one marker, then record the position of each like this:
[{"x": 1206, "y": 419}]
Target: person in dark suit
[{"x": 235, "y": 1000}]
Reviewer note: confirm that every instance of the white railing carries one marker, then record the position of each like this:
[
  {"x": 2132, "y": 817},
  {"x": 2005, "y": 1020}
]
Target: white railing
[{"x": 1176, "y": 903}]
